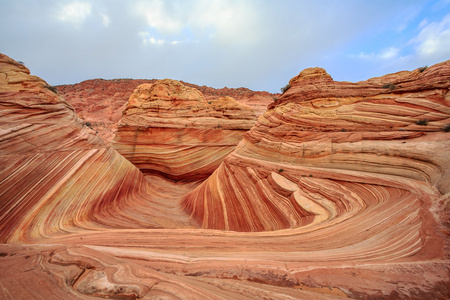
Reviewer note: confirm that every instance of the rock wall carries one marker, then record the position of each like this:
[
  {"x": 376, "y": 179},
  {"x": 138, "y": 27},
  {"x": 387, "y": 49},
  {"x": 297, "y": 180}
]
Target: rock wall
[
  {"x": 57, "y": 176},
  {"x": 170, "y": 129},
  {"x": 323, "y": 137}
]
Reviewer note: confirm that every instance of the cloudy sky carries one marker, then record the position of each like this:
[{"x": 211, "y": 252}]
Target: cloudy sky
[{"x": 259, "y": 44}]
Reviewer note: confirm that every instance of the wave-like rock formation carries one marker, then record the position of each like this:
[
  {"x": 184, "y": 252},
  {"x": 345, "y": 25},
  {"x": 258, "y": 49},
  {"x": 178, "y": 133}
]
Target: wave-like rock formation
[
  {"x": 100, "y": 102},
  {"x": 328, "y": 150},
  {"x": 56, "y": 175},
  {"x": 357, "y": 171},
  {"x": 356, "y": 174},
  {"x": 169, "y": 128}
]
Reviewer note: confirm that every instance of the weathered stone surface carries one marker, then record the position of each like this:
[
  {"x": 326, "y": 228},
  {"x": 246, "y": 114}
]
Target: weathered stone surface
[
  {"x": 356, "y": 171},
  {"x": 101, "y": 102},
  {"x": 169, "y": 128},
  {"x": 56, "y": 175},
  {"x": 365, "y": 217}
]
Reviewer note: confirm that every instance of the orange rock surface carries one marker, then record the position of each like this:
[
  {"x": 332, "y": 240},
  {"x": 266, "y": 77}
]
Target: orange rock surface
[
  {"x": 335, "y": 193},
  {"x": 169, "y": 128}
]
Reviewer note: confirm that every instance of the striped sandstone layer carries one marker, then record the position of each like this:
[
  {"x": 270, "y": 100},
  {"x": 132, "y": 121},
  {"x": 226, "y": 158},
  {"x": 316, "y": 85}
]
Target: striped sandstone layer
[
  {"x": 56, "y": 175},
  {"x": 79, "y": 225},
  {"x": 170, "y": 129},
  {"x": 351, "y": 171},
  {"x": 307, "y": 157}
]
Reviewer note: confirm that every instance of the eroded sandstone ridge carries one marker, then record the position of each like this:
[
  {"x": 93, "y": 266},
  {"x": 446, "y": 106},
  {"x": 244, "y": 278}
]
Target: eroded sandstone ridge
[
  {"x": 340, "y": 190},
  {"x": 100, "y": 102},
  {"x": 169, "y": 128},
  {"x": 322, "y": 138},
  {"x": 56, "y": 175}
]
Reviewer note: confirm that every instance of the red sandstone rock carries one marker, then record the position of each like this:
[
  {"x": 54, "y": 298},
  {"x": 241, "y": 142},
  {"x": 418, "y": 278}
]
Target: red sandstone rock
[
  {"x": 100, "y": 102},
  {"x": 367, "y": 203},
  {"x": 169, "y": 128},
  {"x": 56, "y": 175},
  {"x": 354, "y": 169}
]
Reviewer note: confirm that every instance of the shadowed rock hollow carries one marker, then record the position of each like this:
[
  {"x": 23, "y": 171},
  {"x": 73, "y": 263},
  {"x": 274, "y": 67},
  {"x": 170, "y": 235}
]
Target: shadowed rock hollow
[{"x": 339, "y": 190}]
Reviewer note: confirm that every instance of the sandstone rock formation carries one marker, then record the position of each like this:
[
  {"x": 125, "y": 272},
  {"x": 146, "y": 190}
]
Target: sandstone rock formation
[
  {"x": 359, "y": 172},
  {"x": 349, "y": 170},
  {"x": 171, "y": 129},
  {"x": 56, "y": 175},
  {"x": 101, "y": 102}
]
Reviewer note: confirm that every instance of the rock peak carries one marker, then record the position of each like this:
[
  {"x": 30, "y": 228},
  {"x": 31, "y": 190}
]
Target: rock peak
[
  {"x": 311, "y": 74},
  {"x": 169, "y": 89}
]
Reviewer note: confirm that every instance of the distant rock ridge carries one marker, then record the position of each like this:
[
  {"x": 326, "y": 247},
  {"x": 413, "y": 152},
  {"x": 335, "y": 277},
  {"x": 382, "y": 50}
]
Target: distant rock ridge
[
  {"x": 170, "y": 128},
  {"x": 100, "y": 102}
]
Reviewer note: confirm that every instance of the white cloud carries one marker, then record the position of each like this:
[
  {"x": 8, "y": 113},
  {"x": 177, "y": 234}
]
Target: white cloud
[
  {"x": 159, "y": 17},
  {"x": 147, "y": 39},
  {"x": 225, "y": 21},
  {"x": 105, "y": 20},
  {"x": 433, "y": 41},
  {"x": 74, "y": 12},
  {"x": 384, "y": 54},
  {"x": 389, "y": 53}
]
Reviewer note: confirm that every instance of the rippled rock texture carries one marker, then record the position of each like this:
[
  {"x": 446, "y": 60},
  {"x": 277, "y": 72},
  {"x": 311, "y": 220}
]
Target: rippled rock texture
[
  {"x": 339, "y": 191},
  {"x": 169, "y": 128},
  {"x": 56, "y": 175}
]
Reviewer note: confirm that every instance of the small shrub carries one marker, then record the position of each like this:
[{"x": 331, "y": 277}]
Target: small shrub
[
  {"x": 88, "y": 124},
  {"x": 446, "y": 128},
  {"x": 285, "y": 88},
  {"x": 21, "y": 62},
  {"x": 422, "y": 122},
  {"x": 275, "y": 99},
  {"x": 390, "y": 86},
  {"x": 280, "y": 170},
  {"x": 51, "y": 88},
  {"x": 421, "y": 69}
]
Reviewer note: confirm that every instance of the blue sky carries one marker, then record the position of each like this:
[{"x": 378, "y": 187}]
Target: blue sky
[{"x": 259, "y": 44}]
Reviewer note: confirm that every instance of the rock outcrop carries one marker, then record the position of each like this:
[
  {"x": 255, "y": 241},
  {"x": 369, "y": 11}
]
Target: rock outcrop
[
  {"x": 320, "y": 132},
  {"x": 100, "y": 102},
  {"x": 56, "y": 175},
  {"x": 354, "y": 176},
  {"x": 170, "y": 129},
  {"x": 356, "y": 171}
]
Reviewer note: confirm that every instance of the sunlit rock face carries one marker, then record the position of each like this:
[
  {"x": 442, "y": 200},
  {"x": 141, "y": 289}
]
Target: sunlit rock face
[
  {"x": 351, "y": 161},
  {"x": 364, "y": 206},
  {"x": 56, "y": 176},
  {"x": 170, "y": 129}
]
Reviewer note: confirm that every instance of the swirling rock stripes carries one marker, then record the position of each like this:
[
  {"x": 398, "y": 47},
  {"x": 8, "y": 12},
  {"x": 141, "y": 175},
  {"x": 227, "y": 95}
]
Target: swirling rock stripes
[
  {"x": 170, "y": 129},
  {"x": 57, "y": 177},
  {"x": 322, "y": 199}
]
